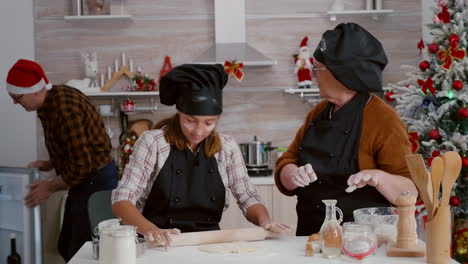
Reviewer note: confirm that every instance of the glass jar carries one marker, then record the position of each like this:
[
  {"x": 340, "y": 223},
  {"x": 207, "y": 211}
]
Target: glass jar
[
  {"x": 359, "y": 241},
  {"x": 124, "y": 245},
  {"x": 105, "y": 230}
]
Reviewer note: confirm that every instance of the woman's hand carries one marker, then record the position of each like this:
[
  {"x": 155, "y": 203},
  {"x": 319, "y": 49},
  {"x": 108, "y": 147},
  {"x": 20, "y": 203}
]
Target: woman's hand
[
  {"x": 363, "y": 178},
  {"x": 277, "y": 230},
  {"x": 159, "y": 237},
  {"x": 293, "y": 176}
]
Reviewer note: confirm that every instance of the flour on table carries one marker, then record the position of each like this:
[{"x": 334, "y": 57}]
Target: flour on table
[{"x": 233, "y": 247}]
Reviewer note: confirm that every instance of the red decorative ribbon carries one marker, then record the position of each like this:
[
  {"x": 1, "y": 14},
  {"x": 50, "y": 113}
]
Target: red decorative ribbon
[
  {"x": 427, "y": 85},
  {"x": 234, "y": 68},
  {"x": 420, "y": 46},
  {"x": 414, "y": 139},
  {"x": 444, "y": 15},
  {"x": 453, "y": 52}
]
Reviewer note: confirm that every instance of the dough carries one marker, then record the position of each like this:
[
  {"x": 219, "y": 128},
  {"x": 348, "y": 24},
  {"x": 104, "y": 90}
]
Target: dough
[{"x": 233, "y": 247}]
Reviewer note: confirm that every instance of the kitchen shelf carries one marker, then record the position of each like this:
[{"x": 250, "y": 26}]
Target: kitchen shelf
[
  {"x": 123, "y": 94},
  {"x": 374, "y": 13},
  {"x": 95, "y": 18}
]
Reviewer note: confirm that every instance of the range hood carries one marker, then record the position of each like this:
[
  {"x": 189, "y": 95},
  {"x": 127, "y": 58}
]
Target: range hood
[{"x": 230, "y": 41}]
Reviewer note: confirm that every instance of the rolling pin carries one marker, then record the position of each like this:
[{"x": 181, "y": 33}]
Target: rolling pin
[{"x": 218, "y": 236}]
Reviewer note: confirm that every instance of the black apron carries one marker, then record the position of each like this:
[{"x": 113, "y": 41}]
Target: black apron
[
  {"x": 187, "y": 194},
  {"x": 331, "y": 146},
  {"x": 76, "y": 228}
]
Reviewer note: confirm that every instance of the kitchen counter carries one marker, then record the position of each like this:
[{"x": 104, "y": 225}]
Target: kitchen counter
[{"x": 271, "y": 251}]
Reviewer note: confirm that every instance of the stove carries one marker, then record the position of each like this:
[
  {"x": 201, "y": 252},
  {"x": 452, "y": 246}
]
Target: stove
[{"x": 262, "y": 171}]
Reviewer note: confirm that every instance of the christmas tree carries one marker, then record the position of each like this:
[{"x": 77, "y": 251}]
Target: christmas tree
[{"x": 433, "y": 102}]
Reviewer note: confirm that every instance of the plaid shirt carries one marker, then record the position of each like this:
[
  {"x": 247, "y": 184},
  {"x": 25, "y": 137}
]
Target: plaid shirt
[
  {"x": 149, "y": 155},
  {"x": 74, "y": 133}
]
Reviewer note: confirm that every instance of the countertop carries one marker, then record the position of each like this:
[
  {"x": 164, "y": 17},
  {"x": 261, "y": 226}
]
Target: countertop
[{"x": 270, "y": 251}]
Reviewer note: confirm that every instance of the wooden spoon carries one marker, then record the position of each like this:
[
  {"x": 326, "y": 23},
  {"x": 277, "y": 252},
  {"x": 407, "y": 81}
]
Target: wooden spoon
[
  {"x": 422, "y": 180},
  {"x": 452, "y": 168},
  {"x": 437, "y": 170}
]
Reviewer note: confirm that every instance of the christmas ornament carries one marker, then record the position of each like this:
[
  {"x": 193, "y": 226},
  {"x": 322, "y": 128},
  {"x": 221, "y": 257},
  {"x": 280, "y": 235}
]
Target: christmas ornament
[
  {"x": 465, "y": 162},
  {"x": 427, "y": 85},
  {"x": 304, "y": 65},
  {"x": 447, "y": 56},
  {"x": 434, "y": 154},
  {"x": 463, "y": 112},
  {"x": 444, "y": 15},
  {"x": 454, "y": 37},
  {"x": 424, "y": 65},
  {"x": 420, "y": 46},
  {"x": 128, "y": 106},
  {"x": 388, "y": 96},
  {"x": 457, "y": 85},
  {"x": 234, "y": 68},
  {"x": 143, "y": 83},
  {"x": 460, "y": 245},
  {"x": 434, "y": 134},
  {"x": 433, "y": 47},
  {"x": 167, "y": 67},
  {"x": 414, "y": 139},
  {"x": 454, "y": 201}
]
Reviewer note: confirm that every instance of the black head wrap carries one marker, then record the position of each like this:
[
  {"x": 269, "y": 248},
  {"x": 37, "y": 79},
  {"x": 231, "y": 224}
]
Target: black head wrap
[
  {"x": 195, "y": 89},
  {"x": 354, "y": 57}
]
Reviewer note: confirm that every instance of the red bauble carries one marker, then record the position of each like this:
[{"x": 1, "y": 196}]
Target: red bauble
[
  {"x": 463, "y": 112},
  {"x": 465, "y": 162},
  {"x": 433, "y": 47},
  {"x": 454, "y": 37},
  {"x": 434, "y": 134},
  {"x": 457, "y": 85},
  {"x": 424, "y": 65},
  {"x": 128, "y": 106},
  {"x": 388, "y": 96},
  {"x": 454, "y": 201}
]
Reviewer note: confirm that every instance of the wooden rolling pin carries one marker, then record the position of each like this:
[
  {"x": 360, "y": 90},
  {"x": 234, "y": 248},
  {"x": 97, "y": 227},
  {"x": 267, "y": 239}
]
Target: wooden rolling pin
[{"x": 218, "y": 236}]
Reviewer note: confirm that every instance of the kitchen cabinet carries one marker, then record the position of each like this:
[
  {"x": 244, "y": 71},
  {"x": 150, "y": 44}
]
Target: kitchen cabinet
[{"x": 282, "y": 208}]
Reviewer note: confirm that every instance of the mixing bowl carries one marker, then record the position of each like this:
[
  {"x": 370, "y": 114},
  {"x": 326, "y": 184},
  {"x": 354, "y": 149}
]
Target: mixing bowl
[{"x": 384, "y": 220}]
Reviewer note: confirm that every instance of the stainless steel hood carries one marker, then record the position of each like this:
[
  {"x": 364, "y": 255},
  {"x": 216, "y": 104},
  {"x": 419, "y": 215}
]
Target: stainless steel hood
[{"x": 230, "y": 41}]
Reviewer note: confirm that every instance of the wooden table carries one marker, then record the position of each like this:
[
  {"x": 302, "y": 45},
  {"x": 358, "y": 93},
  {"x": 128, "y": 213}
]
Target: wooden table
[{"x": 289, "y": 250}]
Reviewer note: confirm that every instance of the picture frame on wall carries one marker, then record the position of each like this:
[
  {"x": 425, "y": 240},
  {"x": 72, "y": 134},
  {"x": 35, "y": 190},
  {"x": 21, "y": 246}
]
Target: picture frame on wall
[{"x": 93, "y": 7}]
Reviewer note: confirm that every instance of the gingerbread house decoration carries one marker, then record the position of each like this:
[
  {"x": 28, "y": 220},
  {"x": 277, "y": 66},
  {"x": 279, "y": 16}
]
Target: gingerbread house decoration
[{"x": 120, "y": 81}]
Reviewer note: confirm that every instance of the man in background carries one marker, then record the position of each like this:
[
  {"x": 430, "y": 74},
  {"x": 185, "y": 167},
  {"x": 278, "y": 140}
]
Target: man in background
[{"x": 77, "y": 143}]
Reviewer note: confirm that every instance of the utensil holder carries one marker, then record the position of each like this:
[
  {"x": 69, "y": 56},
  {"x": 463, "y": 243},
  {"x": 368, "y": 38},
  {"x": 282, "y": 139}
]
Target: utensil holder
[{"x": 438, "y": 237}]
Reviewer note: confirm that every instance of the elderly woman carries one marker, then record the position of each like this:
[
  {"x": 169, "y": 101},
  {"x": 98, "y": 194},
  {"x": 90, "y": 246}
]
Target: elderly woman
[
  {"x": 352, "y": 145},
  {"x": 180, "y": 174}
]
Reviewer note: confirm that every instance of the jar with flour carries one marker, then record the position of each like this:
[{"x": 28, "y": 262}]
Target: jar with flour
[
  {"x": 105, "y": 229},
  {"x": 124, "y": 245}
]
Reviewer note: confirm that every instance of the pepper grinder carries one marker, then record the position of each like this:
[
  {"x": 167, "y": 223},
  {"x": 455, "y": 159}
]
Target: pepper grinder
[{"x": 407, "y": 244}]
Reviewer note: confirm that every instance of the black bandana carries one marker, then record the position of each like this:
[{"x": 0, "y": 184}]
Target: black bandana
[
  {"x": 195, "y": 89},
  {"x": 354, "y": 57}
]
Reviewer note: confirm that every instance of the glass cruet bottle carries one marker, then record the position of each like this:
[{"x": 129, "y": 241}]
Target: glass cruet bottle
[{"x": 331, "y": 235}]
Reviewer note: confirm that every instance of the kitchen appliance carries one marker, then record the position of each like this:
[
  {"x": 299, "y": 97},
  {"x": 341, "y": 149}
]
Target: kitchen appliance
[
  {"x": 16, "y": 218},
  {"x": 257, "y": 157}
]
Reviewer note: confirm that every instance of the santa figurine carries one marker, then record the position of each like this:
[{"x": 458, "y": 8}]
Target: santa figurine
[{"x": 303, "y": 67}]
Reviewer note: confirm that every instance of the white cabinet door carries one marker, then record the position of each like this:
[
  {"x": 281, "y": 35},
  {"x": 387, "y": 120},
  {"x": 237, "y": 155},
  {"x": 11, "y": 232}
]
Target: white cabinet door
[
  {"x": 233, "y": 216},
  {"x": 284, "y": 208}
]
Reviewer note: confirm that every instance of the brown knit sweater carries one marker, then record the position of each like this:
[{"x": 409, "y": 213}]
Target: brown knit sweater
[{"x": 383, "y": 145}]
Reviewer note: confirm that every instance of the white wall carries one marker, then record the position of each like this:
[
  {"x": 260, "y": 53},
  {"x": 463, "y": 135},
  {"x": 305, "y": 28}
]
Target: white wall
[
  {"x": 427, "y": 18},
  {"x": 18, "y": 129}
]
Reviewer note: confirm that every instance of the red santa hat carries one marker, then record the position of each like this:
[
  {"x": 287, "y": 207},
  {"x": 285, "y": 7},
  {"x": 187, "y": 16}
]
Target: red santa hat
[
  {"x": 304, "y": 42},
  {"x": 26, "y": 77}
]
